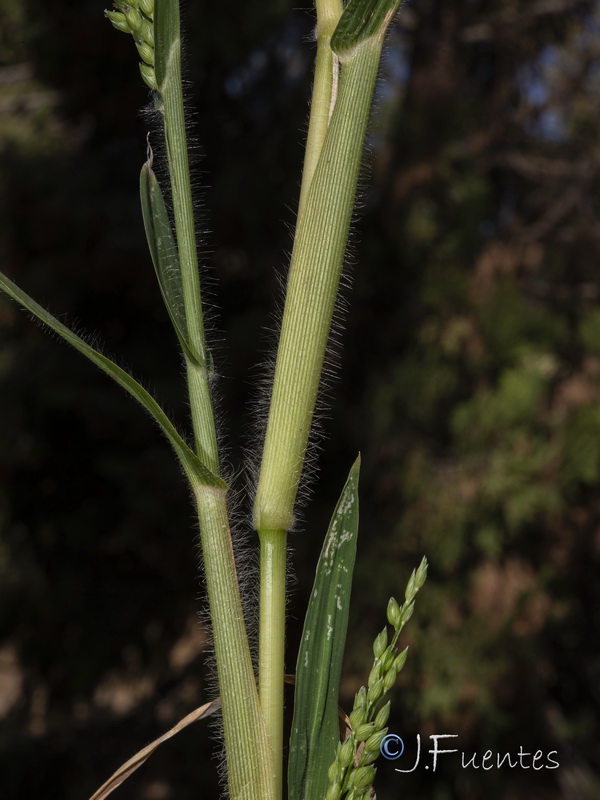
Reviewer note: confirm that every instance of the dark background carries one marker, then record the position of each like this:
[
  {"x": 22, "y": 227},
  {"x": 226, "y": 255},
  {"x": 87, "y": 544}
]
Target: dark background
[{"x": 469, "y": 380}]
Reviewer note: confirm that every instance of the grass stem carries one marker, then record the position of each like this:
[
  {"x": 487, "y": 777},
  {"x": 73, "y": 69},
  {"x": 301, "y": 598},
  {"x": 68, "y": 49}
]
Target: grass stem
[
  {"x": 273, "y": 543},
  {"x": 249, "y": 762},
  {"x": 272, "y": 642},
  {"x": 312, "y": 288},
  {"x": 250, "y": 771},
  {"x": 329, "y": 187},
  {"x": 185, "y": 233}
]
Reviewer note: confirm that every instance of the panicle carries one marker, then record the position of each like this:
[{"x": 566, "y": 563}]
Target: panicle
[
  {"x": 351, "y": 775},
  {"x": 137, "y": 18}
]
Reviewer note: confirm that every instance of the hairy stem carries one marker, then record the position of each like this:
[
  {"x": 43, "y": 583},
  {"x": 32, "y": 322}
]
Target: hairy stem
[
  {"x": 185, "y": 233},
  {"x": 249, "y": 762},
  {"x": 313, "y": 282},
  {"x": 329, "y": 188},
  {"x": 273, "y": 542}
]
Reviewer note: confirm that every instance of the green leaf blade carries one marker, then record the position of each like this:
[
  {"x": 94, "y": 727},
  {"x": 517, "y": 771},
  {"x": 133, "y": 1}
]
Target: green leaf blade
[
  {"x": 315, "y": 727},
  {"x": 197, "y": 472},
  {"x": 361, "y": 20},
  {"x": 165, "y": 258}
]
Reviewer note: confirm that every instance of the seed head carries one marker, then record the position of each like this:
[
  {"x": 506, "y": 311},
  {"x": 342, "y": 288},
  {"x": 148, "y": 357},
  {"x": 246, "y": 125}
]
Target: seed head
[
  {"x": 147, "y": 32},
  {"x": 376, "y": 690},
  {"x": 357, "y": 717},
  {"x": 375, "y": 674},
  {"x": 362, "y": 778},
  {"x": 149, "y": 76},
  {"x": 136, "y": 18},
  {"x": 387, "y": 659},
  {"x": 334, "y": 792},
  {"x": 407, "y": 612},
  {"x": 346, "y": 753},
  {"x": 367, "y": 757},
  {"x": 335, "y": 772},
  {"x": 373, "y": 742},
  {"x": 393, "y": 613},
  {"x": 411, "y": 589},
  {"x": 383, "y": 715},
  {"x": 352, "y": 769},
  {"x": 119, "y": 20},
  {"x": 380, "y": 643},
  {"x": 421, "y": 573},
  {"x": 146, "y": 53},
  {"x": 390, "y": 678},
  {"x": 362, "y": 733},
  {"x": 401, "y": 660},
  {"x": 360, "y": 698}
]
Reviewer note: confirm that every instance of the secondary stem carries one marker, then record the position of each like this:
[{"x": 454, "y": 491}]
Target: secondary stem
[{"x": 272, "y": 642}]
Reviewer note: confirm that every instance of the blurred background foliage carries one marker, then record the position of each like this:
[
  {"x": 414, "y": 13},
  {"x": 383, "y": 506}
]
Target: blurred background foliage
[{"x": 470, "y": 381}]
